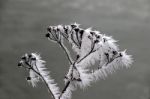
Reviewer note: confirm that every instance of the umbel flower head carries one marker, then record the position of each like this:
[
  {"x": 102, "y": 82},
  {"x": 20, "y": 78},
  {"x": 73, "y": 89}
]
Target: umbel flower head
[{"x": 91, "y": 47}]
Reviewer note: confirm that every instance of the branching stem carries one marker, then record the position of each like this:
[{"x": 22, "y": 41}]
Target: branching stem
[
  {"x": 91, "y": 51},
  {"x": 66, "y": 52},
  {"x": 65, "y": 88},
  {"x": 31, "y": 67}
]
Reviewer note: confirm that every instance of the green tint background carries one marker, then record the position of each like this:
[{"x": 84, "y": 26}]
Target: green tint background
[{"x": 23, "y": 26}]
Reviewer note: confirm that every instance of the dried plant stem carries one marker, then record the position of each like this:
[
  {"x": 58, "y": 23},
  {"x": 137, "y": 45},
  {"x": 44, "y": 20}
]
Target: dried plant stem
[
  {"x": 60, "y": 42},
  {"x": 91, "y": 47},
  {"x": 73, "y": 65},
  {"x": 66, "y": 52},
  {"x": 91, "y": 51},
  {"x": 31, "y": 67},
  {"x": 65, "y": 88},
  {"x": 71, "y": 78},
  {"x": 85, "y": 56}
]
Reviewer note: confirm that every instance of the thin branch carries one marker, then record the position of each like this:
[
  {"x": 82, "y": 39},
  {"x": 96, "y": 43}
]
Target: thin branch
[
  {"x": 91, "y": 51},
  {"x": 109, "y": 61},
  {"x": 42, "y": 79},
  {"x": 65, "y": 88},
  {"x": 85, "y": 56},
  {"x": 69, "y": 82},
  {"x": 75, "y": 41},
  {"x": 73, "y": 66},
  {"x": 63, "y": 47},
  {"x": 66, "y": 52},
  {"x": 54, "y": 36},
  {"x": 68, "y": 57}
]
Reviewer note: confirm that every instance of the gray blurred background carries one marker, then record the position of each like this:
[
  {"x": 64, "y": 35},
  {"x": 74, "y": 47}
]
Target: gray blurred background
[{"x": 23, "y": 25}]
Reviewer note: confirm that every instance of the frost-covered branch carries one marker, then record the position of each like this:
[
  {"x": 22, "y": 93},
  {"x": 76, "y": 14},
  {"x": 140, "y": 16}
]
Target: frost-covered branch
[
  {"x": 122, "y": 60},
  {"x": 91, "y": 47},
  {"x": 37, "y": 71},
  {"x": 66, "y": 52},
  {"x": 56, "y": 36}
]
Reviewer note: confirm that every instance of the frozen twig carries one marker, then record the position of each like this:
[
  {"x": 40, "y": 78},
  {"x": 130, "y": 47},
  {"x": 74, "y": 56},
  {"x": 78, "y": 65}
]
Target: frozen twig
[
  {"x": 66, "y": 52},
  {"x": 35, "y": 65},
  {"x": 90, "y": 46},
  {"x": 59, "y": 40}
]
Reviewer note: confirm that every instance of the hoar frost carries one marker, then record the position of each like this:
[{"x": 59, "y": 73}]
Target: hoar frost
[{"x": 90, "y": 46}]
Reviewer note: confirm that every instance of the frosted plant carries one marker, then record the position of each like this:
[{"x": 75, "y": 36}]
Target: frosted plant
[{"x": 91, "y": 48}]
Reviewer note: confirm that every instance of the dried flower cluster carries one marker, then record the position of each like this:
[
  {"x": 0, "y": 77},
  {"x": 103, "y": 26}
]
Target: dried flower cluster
[{"x": 91, "y": 47}]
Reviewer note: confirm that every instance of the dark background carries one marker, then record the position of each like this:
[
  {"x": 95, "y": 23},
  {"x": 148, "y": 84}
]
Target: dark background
[{"x": 23, "y": 26}]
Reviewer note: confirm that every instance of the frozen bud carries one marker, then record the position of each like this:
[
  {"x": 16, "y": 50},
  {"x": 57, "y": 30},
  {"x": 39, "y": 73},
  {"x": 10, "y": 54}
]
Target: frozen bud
[
  {"x": 33, "y": 58},
  {"x": 49, "y": 29},
  {"x": 76, "y": 29},
  {"x": 29, "y": 55},
  {"x": 23, "y": 58},
  {"x": 77, "y": 56},
  {"x": 120, "y": 54},
  {"x": 28, "y": 78},
  {"x": 98, "y": 36},
  {"x": 114, "y": 52},
  {"x": 92, "y": 33},
  {"x": 104, "y": 40},
  {"x": 90, "y": 37},
  {"x": 19, "y": 64},
  {"x": 47, "y": 35},
  {"x": 96, "y": 41},
  {"x": 74, "y": 25}
]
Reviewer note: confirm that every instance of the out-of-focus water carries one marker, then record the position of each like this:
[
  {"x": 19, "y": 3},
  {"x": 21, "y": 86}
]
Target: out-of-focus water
[{"x": 23, "y": 26}]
